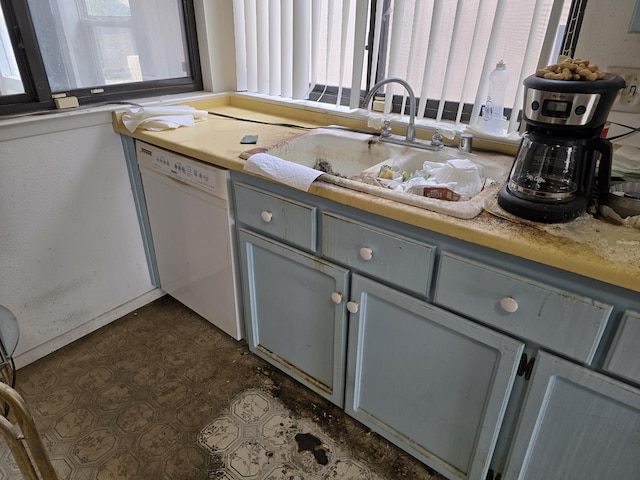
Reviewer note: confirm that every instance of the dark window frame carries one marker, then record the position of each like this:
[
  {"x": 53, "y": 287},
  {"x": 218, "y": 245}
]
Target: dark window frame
[{"x": 38, "y": 94}]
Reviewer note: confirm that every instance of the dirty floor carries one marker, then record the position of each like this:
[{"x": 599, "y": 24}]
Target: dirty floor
[{"x": 151, "y": 394}]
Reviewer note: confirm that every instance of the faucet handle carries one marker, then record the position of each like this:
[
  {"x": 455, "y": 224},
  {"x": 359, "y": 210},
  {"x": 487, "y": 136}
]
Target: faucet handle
[
  {"x": 386, "y": 129},
  {"x": 437, "y": 140}
]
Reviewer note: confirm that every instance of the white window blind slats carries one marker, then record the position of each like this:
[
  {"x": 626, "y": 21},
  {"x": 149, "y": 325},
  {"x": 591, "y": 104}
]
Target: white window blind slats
[
  {"x": 346, "y": 13},
  {"x": 328, "y": 43},
  {"x": 286, "y": 31},
  {"x": 263, "y": 41},
  {"x": 548, "y": 44},
  {"x": 240, "y": 44},
  {"x": 251, "y": 28},
  {"x": 528, "y": 59},
  {"x": 359, "y": 50},
  {"x": 490, "y": 59},
  {"x": 376, "y": 37},
  {"x": 414, "y": 47},
  {"x": 431, "y": 66},
  {"x": 394, "y": 55},
  {"x": 301, "y": 47},
  {"x": 275, "y": 48},
  {"x": 444, "y": 49},
  {"x": 454, "y": 52},
  {"x": 316, "y": 15},
  {"x": 474, "y": 50}
]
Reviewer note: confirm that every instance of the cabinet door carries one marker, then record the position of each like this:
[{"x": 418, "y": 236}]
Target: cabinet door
[
  {"x": 434, "y": 383},
  {"x": 294, "y": 313},
  {"x": 623, "y": 358},
  {"x": 576, "y": 424}
]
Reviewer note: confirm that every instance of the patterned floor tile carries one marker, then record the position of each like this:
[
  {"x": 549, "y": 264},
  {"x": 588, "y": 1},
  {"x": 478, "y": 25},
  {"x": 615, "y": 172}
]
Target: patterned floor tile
[{"x": 260, "y": 439}]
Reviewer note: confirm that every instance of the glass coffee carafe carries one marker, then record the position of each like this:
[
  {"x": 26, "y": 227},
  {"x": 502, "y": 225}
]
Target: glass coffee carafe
[
  {"x": 553, "y": 176},
  {"x": 548, "y": 172}
]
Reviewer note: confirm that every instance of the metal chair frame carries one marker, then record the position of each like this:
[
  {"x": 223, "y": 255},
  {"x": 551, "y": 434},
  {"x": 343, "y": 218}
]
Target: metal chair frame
[
  {"x": 23, "y": 438},
  {"x": 16, "y": 423}
]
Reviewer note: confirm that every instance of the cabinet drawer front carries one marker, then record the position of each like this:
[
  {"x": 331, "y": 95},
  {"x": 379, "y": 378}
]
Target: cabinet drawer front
[
  {"x": 279, "y": 217},
  {"x": 623, "y": 357},
  {"x": 392, "y": 258},
  {"x": 557, "y": 319}
]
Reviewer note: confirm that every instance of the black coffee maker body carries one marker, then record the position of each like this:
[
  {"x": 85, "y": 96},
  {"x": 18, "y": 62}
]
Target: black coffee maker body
[{"x": 562, "y": 161}]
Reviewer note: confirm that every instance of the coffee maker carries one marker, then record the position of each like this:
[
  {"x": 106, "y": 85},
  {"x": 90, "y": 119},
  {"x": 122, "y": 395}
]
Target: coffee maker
[{"x": 562, "y": 161}]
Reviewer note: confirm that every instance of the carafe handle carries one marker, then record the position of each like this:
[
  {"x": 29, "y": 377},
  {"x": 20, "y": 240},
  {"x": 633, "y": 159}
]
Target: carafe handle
[{"x": 603, "y": 146}]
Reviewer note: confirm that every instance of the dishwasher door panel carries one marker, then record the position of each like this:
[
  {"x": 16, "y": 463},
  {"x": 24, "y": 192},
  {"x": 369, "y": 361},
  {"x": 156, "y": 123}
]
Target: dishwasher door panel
[{"x": 192, "y": 238}]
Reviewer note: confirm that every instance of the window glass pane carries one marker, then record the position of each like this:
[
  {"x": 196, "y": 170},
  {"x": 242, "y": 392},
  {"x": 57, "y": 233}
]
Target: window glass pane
[
  {"x": 107, "y": 8},
  {"x": 10, "y": 79},
  {"x": 96, "y": 43}
]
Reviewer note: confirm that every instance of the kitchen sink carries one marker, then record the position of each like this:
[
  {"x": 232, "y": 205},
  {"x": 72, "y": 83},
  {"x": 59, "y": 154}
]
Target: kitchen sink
[
  {"x": 353, "y": 160},
  {"x": 336, "y": 152}
]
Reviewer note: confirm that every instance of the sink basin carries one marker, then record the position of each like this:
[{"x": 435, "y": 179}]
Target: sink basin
[
  {"x": 349, "y": 159},
  {"x": 346, "y": 153}
]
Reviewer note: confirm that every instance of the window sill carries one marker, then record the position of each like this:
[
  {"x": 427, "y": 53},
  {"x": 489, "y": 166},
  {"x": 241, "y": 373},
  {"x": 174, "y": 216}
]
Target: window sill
[
  {"x": 359, "y": 118},
  {"x": 22, "y": 126}
]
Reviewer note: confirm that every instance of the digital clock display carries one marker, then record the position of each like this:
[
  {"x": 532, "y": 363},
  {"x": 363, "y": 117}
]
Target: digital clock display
[{"x": 554, "y": 108}]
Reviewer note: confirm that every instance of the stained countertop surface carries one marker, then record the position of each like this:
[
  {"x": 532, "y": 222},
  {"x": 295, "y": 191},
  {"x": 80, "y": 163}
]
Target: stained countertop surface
[{"x": 589, "y": 246}]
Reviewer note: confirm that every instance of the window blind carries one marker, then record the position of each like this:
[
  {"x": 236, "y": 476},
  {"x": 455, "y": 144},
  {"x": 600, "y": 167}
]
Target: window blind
[
  {"x": 445, "y": 49},
  {"x": 284, "y": 47}
]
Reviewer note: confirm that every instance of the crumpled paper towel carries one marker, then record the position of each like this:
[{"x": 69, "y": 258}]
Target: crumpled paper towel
[
  {"x": 283, "y": 171},
  {"x": 162, "y": 118},
  {"x": 608, "y": 212}
]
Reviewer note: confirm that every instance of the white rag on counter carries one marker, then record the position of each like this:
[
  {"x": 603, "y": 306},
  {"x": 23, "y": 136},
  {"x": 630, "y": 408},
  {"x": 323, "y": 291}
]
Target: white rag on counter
[
  {"x": 162, "y": 118},
  {"x": 283, "y": 171}
]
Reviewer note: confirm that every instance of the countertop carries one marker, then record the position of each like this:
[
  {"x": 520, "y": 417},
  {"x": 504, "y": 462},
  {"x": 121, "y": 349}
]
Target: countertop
[{"x": 588, "y": 246}]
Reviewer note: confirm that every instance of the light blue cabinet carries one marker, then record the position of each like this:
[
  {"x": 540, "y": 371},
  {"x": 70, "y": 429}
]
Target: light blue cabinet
[
  {"x": 423, "y": 337},
  {"x": 623, "y": 359},
  {"x": 428, "y": 380},
  {"x": 295, "y": 318},
  {"x": 576, "y": 424}
]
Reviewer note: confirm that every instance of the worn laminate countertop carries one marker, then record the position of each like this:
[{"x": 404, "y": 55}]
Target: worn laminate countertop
[{"x": 587, "y": 246}]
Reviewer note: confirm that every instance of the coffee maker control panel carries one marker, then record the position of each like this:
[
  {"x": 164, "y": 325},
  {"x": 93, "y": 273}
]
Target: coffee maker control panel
[{"x": 560, "y": 108}]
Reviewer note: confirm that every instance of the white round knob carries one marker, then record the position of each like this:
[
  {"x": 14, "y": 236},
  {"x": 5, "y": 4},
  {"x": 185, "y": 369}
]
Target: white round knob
[
  {"x": 366, "y": 253},
  {"x": 336, "y": 297},
  {"x": 266, "y": 216},
  {"x": 509, "y": 304},
  {"x": 352, "y": 307}
]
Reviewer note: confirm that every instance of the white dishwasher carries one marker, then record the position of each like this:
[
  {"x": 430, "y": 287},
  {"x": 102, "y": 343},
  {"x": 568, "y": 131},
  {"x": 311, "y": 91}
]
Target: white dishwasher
[{"x": 192, "y": 230}]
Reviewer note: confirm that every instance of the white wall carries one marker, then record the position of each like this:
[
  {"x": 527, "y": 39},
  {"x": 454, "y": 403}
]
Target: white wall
[
  {"x": 604, "y": 39},
  {"x": 71, "y": 254}
]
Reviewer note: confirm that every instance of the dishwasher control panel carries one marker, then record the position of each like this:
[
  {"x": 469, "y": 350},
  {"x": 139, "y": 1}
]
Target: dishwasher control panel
[
  {"x": 192, "y": 172},
  {"x": 169, "y": 163}
]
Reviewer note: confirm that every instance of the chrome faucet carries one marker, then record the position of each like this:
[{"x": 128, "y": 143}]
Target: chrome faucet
[
  {"x": 410, "y": 139},
  {"x": 411, "y": 128}
]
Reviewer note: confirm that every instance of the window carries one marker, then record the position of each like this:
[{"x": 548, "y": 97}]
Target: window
[
  {"x": 10, "y": 78},
  {"x": 445, "y": 49},
  {"x": 95, "y": 50}
]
